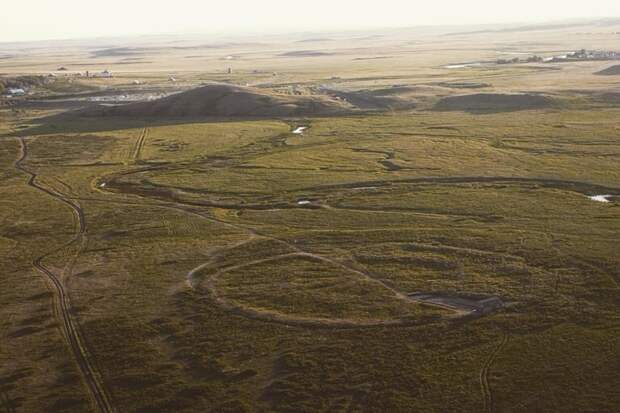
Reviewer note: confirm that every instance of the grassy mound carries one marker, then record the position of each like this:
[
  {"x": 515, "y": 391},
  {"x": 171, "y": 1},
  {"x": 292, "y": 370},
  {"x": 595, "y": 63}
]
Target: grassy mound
[
  {"x": 610, "y": 71},
  {"x": 219, "y": 100}
]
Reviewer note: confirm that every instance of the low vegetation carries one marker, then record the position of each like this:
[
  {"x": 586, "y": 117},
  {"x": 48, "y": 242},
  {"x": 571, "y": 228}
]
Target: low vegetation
[{"x": 234, "y": 249}]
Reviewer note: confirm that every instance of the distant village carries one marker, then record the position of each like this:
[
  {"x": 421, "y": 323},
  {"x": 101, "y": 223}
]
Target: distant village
[
  {"x": 105, "y": 74},
  {"x": 579, "y": 55},
  {"x": 21, "y": 86}
]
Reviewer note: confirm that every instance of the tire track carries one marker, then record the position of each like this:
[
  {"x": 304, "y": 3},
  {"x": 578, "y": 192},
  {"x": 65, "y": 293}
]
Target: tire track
[
  {"x": 485, "y": 386},
  {"x": 62, "y": 305},
  {"x": 137, "y": 149}
]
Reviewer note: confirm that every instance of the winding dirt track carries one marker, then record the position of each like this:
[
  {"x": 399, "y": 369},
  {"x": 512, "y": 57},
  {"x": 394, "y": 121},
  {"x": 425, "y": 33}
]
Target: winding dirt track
[
  {"x": 62, "y": 305},
  {"x": 485, "y": 386}
]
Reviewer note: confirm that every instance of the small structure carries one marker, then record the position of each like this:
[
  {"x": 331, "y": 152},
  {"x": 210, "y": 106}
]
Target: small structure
[
  {"x": 229, "y": 70},
  {"x": 106, "y": 73},
  {"x": 16, "y": 91}
]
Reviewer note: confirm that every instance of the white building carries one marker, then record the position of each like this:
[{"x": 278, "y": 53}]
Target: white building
[{"x": 16, "y": 91}]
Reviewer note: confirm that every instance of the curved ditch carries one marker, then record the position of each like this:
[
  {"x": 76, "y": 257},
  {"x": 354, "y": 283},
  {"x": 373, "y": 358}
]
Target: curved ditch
[{"x": 170, "y": 193}]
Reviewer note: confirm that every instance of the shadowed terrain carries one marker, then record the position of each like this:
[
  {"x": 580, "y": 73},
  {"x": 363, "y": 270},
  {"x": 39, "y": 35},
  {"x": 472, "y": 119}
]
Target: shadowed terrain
[{"x": 486, "y": 102}]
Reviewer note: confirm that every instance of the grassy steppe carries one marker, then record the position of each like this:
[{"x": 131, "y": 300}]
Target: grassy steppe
[{"x": 197, "y": 239}]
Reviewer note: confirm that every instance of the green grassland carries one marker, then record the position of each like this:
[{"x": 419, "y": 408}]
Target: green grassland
[
  {"x": 230, "y": 265},
  {"x": 201, "y": 284}
]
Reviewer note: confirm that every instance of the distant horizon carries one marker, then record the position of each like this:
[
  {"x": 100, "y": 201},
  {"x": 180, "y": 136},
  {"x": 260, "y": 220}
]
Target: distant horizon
[
  {"x": 70, "y": 20},
  {"x": 327, "y": 30}
]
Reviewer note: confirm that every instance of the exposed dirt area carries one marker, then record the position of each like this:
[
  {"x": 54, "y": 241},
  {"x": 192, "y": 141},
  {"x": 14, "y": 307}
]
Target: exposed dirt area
[{"x": 381, "y": 99}]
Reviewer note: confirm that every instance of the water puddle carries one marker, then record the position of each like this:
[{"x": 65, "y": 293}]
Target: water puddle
[
  {"x": 365, "y": 188},
  {"x": 462, "y": 65},
  {"x": 601, "y": 198},
  {"x": 472, "y": 304}
]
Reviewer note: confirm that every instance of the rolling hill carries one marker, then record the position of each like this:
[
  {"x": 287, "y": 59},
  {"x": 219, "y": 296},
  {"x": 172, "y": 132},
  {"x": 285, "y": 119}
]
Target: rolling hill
[{"x": 222, "y": 100}]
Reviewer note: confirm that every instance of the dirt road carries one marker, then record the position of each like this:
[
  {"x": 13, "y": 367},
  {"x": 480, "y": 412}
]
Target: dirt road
[
  {"x": 485, "y": 386},
  {"x": 62, "y": 303},
  {"x": 137, "y": 149}
]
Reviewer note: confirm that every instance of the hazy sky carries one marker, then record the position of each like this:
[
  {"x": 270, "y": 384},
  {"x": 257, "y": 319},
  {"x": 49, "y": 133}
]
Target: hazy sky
[{"x": 57, "y": 19}]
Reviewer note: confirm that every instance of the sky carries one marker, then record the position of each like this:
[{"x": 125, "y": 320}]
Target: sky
[{"x": 24, "y": 20}]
